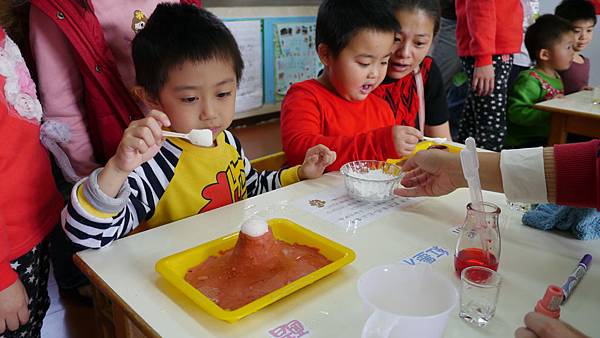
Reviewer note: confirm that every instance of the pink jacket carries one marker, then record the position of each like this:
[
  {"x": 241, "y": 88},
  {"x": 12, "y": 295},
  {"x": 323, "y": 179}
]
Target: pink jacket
[{"x": 83, "y": 73}]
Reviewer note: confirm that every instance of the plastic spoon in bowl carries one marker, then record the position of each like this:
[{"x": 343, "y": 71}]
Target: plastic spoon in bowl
[{"x": 198, "y": 137}]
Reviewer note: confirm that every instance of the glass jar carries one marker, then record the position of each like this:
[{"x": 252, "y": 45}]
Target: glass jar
[{"x": 479, "y": 240}]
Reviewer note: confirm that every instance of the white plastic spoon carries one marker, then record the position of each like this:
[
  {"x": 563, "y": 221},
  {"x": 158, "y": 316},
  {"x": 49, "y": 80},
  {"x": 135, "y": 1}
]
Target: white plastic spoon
[
  {"x": 436, "y": 140},
  {"x": 199, "y": 137}
]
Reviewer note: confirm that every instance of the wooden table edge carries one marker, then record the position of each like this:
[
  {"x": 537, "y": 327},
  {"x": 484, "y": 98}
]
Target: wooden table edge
[
  {"x": 112, "y": 295},
  {"x": 542, "y": 107}
]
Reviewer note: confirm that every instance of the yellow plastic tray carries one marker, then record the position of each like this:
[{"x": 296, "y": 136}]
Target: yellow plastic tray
[
  {"x": 173, "y": 268},
  {"x": 422, "y": 146}
]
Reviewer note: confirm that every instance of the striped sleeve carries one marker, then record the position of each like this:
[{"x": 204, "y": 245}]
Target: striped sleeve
[
  {"x": 260, "y": 182},
  {"x": 89, "y": 225}
]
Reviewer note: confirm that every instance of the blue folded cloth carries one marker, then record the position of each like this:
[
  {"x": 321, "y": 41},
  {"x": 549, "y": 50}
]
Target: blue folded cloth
[{"x": 583, "y": 223}]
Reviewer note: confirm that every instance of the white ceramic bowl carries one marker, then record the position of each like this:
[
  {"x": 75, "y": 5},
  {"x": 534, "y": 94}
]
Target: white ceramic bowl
[{"x": 371, "y": 181}]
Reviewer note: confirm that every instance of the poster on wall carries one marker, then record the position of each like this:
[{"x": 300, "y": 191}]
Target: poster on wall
[
  {"x": 248, "y": 35},
  {"x": 295, "y": 55}
]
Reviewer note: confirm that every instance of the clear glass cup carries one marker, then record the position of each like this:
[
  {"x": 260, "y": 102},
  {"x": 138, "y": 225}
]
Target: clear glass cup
[{"x": 479, "y": 292}]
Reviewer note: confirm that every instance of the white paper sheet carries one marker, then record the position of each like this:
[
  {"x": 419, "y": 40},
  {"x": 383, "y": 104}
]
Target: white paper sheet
[
  {"x": 337, "y": 207},
  {"x": 248, "y": 36}
]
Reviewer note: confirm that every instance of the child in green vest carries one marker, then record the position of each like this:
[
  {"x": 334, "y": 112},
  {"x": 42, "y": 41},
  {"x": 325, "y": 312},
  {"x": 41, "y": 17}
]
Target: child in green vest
[{"x": 549, "y": 42}]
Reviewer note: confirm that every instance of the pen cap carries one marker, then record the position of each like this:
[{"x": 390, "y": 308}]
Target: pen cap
[
  {"x": 549, "y": 305},
  {"x": 586, "y": 260}
]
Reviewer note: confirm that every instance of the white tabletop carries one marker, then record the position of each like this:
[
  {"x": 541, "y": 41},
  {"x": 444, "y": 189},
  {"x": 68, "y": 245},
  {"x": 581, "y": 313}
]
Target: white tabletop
[
  {"x": 530, "y": 260},
  {"x": 579, "y": 103}
]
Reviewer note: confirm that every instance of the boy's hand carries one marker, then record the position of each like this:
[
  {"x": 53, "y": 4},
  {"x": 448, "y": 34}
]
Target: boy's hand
[
  {"x": 587, "y": 88},
  {"x": 141, "y": 142},
  {"x": 559, "y": 96},
  {"x": 13, "y": 307},
  {"x": 406, "y": 139},
  {"x": 483, "y": 80},
  {"x": 316, "y": 160}
]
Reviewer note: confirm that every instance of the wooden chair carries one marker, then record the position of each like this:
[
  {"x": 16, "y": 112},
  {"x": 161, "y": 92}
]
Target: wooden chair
[{"x": 269, "y": 162}]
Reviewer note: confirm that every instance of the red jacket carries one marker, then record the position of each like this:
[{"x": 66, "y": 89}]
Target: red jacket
[
  {"x": 578, "y": 174},
  {"x": 488, "y": 27},
  {"x": 312, "y": 114},
  {"x": 29, "y": 202},
  {"x": 108, "y": 104}
]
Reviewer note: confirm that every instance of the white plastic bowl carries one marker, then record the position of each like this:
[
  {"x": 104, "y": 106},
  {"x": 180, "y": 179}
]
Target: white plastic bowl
[{"x": 371, "y": 181}]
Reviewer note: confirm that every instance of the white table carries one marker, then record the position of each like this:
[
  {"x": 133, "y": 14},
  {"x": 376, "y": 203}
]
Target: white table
[
  {"x": 331, "y": 307},
  {"x": 574, "y": 113}
]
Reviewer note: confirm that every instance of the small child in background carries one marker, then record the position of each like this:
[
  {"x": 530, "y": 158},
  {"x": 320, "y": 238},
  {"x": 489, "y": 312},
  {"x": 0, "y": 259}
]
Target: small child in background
[
  {"x": 29, "y": 202},
  {"x": 355, "y": 40},
  {"x": 193, "y": 78},
  {"x": 581, "y": 15},
  {"x": 550, "y": 44}
]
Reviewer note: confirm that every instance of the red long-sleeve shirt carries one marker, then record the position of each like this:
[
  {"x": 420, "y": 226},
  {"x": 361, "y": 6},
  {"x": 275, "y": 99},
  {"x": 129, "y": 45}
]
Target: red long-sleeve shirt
[
  {"x": 312, "y": 114},
  {"x": 488, "y": 27},
  {"x": 578, "y": 174}
]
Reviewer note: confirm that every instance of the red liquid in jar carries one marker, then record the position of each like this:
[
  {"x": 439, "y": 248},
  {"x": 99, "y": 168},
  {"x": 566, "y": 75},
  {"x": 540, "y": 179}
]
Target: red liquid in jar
[{"x": 474, "y": 256}]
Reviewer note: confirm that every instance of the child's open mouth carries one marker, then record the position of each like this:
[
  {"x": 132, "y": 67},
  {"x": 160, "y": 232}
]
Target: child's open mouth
[{"x": 365, "y": 89}]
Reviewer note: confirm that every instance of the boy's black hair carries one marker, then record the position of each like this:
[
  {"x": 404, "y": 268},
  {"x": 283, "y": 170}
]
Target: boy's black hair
[
  {"x": 574, "y": 10},
  {"x": 546, "y": 31},
  {"x": 430, "y": 7},
  {"x": 339, "y": 21},
  {"x": 176, "y": 33}
]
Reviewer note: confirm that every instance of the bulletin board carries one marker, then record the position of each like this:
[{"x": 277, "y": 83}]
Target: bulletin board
[
  {"x": 289, "y": 54},
  {"x": 248, "y": 35}
]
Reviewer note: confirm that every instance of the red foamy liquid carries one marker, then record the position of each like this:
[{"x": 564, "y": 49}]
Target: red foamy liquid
[{"x": 474, "y": 256}]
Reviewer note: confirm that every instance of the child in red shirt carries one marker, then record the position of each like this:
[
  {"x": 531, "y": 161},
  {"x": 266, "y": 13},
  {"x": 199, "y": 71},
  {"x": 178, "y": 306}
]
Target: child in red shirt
[
  {"x": 29, "y": 204},
  {"x": 354, "y": 42}
]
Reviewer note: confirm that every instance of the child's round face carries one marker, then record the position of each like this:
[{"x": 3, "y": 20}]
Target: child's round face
[
  {"x": 584, "y": 31},
  {"x": 200, "y": 95},
  {"x": 561, "y": 54},
  {"x": 412, "y": 43},
  {"x": 361, "y": 65}
]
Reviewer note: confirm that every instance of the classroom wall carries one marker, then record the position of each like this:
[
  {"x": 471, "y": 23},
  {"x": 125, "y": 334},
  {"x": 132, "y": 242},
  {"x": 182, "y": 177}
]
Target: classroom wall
[{"x": 592, "y": 51}]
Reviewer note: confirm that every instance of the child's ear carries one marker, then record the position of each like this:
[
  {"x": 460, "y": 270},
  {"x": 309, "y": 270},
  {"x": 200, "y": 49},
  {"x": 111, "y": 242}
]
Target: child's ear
[
  {"x": 544, "y": 54},
  {"x": 324, "y": 54},
  {"x": 141, "y": 94}
]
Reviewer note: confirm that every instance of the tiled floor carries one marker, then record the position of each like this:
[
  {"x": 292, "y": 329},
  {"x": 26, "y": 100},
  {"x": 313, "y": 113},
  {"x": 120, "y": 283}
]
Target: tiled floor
[{"x": 69, "y": 318}]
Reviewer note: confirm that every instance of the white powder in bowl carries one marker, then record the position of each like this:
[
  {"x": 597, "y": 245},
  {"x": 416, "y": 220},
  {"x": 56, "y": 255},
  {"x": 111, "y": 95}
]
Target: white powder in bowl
[
  {"x": 375, "y": 175},
  {"x": 370, "y": 180}
]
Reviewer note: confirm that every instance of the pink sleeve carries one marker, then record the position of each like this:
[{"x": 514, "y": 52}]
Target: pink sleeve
[{"x": 61, "y": 88}]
